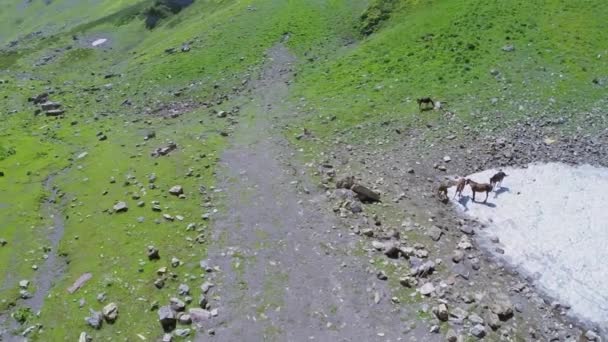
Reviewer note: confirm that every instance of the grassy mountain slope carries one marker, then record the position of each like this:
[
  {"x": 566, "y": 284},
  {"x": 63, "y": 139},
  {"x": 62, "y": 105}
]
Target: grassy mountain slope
[{"x": 449, "y": 50}]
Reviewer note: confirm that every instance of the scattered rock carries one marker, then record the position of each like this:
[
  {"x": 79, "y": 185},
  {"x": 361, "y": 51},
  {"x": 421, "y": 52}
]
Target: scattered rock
[
  {"x": 365, "y": 194},
  {"x": 80, "y": 282},
  {"x": 177, "y": 304},
  {"x": 120, "y": 207},
  {"x": 590, "y": 335},
  {"x": 183, "y": 290},
  {"x": 434, "y": 233},
  {"x": 153, "y": 253},
  {"x": 441, "y": 312},
  {"x": 182, "y": 332},
  {"x": 84, "y": 337},
  {"x": 345, "y": 183},
  {"x": 478, "y": 331},
  {"x": 110, "y": 312},
  {"x": 503, "y": 308},
  {"x": 95, "y": 319},
  {"x": 451, "y": 336},
  {"x": 199, "y": 315},
  {"x": 166, "y": 317},
  {"x": 508, "y": 48},
  {"x": 24, "y": 284},
  {"x": 176, "y": 190},
  {"x": 427, "y": 289}
]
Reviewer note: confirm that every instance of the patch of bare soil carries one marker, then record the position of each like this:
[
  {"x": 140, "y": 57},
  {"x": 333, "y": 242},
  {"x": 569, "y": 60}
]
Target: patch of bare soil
[
  {"x": 483, "y": 296},
  {"x": 288, "y": 268}
]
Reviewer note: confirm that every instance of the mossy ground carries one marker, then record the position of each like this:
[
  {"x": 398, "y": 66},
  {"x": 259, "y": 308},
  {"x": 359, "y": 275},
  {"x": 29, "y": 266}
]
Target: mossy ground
[{"x": 443, "y": 49}]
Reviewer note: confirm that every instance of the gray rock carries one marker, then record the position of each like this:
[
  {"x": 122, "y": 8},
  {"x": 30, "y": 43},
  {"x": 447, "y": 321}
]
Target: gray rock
[
  {"x": 345, "y": 183},
  {"x": 167, "y": 337},
  {"x": 166, "y": 317},
  {"x": 183, "y": 290},
  {"x": 184, "y": 319},
  {"x": 478, "y": 331},
  {"x": 434, "y": 233},
  {"x": 120, "y": 207},
  {"x": 467, "y": 230},
  {"x": 203, "y": 302},
  {"x": 365, "y": 194},
  {"x": 182, "y": 332},
  {"x": 508, "y": 48},
  {"x": 381, "y": 275},
  {"x": 153, "y": 253},
  {"x": 408, "y": 282},
  {"x": 590, "y": 335},
  {"x": 199, "y": 315},
  {"x": 3, "y": 242},
  {"x": 424, "y": 269},
  {"x": 206, "y": 286},
  {"x": 177, "y": 304},
  {"x": 458, "y": 256},
  {"x": 451, "y": 336},
  {"x": 95, "y": 319},
  {"x": 84, "y": 337},
  {"x": 441, "y": 312},
  {"x": 493, "y": 321},
  {"x": 24, "y": 284},
  {"x": 475, "y": 319},
  {"x": 175, "y": 262},
  {"x": 110, "y": 312},
  {"x": 502, "y": 307},
  {"x": 176, "y": 190},
  {"x": 159, "y": 283},
  {"x": 427, "y": 289}
]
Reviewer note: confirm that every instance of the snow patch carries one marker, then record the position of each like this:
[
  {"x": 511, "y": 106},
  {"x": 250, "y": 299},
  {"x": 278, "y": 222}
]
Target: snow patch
[
  {"x": 552, "y": 222},
  {"x": 99, "y": 41}
]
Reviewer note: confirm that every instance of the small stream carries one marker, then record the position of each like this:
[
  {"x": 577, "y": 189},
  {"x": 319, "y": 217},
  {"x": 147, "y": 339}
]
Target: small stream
[{"x": 53, "y": 267}]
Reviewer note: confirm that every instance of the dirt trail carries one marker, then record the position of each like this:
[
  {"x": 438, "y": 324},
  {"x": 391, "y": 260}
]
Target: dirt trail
[{"x": 287, "y": 270}]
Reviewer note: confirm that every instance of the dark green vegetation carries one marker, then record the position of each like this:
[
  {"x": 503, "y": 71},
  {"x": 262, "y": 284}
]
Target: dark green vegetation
[{"x": 358, "y": 63}]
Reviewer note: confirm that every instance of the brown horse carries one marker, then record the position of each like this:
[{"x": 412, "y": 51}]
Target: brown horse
[
  {"x": 497, "y": 179},
  {"x": 426, "y": 101},
  {"x": 479, "y": 187},
  {"x": 459, "y": 187}
]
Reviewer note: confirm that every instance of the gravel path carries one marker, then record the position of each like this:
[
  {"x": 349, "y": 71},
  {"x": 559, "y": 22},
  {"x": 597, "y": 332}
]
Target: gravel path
[{"x": 287, "y": 269}]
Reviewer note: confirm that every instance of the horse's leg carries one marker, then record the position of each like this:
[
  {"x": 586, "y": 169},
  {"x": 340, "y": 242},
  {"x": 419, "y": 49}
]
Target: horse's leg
[
  {"x": 487, "y": 194},
  {"x": 473, "y": 195}
]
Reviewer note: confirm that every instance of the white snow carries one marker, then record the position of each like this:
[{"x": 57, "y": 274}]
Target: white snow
[
  {"x": 99, "y": 41},
  {"x": 552, "y": 222}
]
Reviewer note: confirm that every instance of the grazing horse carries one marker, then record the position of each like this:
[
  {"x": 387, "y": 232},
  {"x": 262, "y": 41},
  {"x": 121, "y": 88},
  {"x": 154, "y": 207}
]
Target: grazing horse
[
  {"x": 497, "y": 179},
  {"x": 459, "y": 187},
  {"x": 426, "y": 101},
  {"x": 479, "y": 187}
]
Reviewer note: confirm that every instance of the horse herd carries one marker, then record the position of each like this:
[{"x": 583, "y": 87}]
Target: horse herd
[{"x": 461, "y": 183}]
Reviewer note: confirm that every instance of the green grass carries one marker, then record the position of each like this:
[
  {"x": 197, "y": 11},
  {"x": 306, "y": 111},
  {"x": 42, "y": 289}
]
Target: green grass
[{"x": 441, "y": 48}]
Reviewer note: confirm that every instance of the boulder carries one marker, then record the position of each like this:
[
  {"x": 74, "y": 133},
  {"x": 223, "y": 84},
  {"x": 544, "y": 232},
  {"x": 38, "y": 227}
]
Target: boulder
[
  {"x": 49, "y": 105},
  {"x": 95, "y": 319},
  {"x": 441, "y": 312},
  {"x": 84, "y": 337},
  {"x": 199, "y": 316},
  {"x": 153, "y": 253},
  {"x": 434, "y": 233},
  {"x": 166, "y": 317},
  {"x": 177, "y": 304},
  {"x": 503, "y": 308},
  {"x": 176, "y": 190},
  {"x": 365, "y": 194},
  {"x": 478, "y": 331},
  {"x": 346, "y": 182},
  {"x": 427, "y": 289},
  {"x": 110, "y": 312},
  {"x": 120, "y": 207}
]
